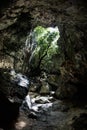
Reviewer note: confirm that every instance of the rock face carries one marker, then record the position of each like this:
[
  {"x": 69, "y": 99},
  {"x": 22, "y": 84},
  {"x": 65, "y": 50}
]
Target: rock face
[
  {"x": 14, "y": 86},
  {"x": 13, "y": 91},
  {"x": 18, "y": 17}
]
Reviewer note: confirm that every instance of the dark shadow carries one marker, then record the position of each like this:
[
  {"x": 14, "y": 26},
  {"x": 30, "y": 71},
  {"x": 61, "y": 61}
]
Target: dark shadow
[{"x": 8, "y": 113}]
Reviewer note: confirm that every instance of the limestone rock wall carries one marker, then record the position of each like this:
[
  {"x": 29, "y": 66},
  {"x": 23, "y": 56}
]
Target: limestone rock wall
[{"x": 18, "y": 17}]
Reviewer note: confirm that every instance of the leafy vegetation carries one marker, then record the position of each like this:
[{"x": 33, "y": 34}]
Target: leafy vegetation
[{"x": 41, "y": 45}]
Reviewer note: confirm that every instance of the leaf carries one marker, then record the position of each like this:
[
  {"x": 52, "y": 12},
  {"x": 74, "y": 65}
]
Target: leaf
[{"x": 46, "y": 40}]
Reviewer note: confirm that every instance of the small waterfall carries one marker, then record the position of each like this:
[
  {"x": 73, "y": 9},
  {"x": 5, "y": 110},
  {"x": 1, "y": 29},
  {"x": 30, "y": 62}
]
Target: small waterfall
[
  {"x": 30, "y": 45},
  {"x": 28, "y": 50}
]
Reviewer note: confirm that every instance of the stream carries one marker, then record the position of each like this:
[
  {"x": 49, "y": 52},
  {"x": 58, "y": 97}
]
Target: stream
[
  {"x": 38, "y": 111},
  {"x": 48, "y": 113}
]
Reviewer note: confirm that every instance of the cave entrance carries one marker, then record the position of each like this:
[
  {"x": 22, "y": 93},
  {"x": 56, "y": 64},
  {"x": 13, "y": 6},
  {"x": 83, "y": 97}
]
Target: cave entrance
[{"x": 41, "y": 44}]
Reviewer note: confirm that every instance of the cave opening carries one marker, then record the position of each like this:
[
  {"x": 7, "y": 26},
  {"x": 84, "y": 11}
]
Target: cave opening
[{"x": 43, "y": 65}]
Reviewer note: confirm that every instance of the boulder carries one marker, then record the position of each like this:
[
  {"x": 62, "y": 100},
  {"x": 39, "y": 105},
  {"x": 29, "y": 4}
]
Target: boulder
[
  {"x": 45, "y": 88},
  {"x": 66, "y": 92},
  {"x": 13, "y": 90}
]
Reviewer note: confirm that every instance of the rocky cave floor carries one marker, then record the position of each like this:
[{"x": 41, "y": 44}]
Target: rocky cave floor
[
  {"x": 53, "y": 114},
  {"x": 49, "y": 113}
]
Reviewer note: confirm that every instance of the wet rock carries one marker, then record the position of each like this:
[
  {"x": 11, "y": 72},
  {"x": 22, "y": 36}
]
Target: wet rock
[
  {"x": 21, "y": 85},
  {"x": 59, "y": 105},
  {"x": 42, "y": 99},
  {"x": 13, "y": 91}
]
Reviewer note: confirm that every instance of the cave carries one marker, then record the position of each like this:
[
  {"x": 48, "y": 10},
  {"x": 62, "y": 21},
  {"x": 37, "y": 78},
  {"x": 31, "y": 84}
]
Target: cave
[{"x": 57, "y": 73}]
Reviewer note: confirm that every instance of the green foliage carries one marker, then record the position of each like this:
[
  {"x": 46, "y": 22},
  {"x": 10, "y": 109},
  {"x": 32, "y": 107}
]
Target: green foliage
[
  {"x": 42, "y": 43},
  {"x": 46, "y": 39}
]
